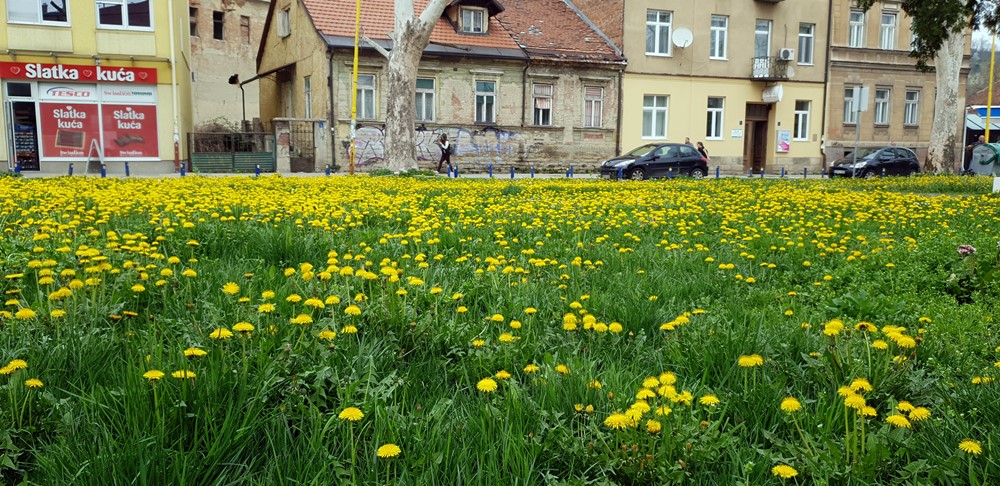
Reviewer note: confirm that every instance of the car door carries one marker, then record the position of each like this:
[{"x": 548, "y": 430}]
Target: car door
[
  {"x": 886, "y": 162},
  {"x": 657, "y": 160},
  {"x": 686, "y": 160},
  {"x": 906, "y": 161}
]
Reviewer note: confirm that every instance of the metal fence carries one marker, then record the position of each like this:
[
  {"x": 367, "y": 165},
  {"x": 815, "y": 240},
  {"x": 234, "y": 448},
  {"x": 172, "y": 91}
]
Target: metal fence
[{"x": 231, "y": 152}]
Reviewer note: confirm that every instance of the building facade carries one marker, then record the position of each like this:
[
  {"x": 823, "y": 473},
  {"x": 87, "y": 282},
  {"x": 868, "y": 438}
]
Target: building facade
[
  {"x": 508, "y": 89},
  {"x": 84, "y": 82},
  {"x": 871, "y": 49},
  {"x": 225, "y": 36},
  {"x": 744, "y": 78}
]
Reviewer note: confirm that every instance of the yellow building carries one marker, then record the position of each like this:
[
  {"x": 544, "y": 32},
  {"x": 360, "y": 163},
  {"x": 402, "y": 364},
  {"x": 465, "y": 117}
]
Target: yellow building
[
  {"x": 86, "y": 81},
  {"x": 744, "y": 78}
]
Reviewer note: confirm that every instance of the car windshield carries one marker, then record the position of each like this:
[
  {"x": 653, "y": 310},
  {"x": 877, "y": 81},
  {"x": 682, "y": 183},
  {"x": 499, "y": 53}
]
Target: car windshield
[{"x": 640, "y": 151}]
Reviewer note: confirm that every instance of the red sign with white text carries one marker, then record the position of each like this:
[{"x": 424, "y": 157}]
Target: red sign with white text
[
  {"x": 73, "y": 72},
  {"x": 130, "y": 131},
  {"x": 68, "y": 129}
]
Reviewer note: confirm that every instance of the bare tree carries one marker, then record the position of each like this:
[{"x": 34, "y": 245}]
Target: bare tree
[
  {"x": 409, "y": 39},
  {"x": 941, "y": 154}
]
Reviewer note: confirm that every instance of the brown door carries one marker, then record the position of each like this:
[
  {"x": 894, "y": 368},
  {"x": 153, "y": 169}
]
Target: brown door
[{"x": 755, "y": 138}]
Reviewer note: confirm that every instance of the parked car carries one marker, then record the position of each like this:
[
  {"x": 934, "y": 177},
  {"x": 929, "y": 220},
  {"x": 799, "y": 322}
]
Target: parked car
[
  {"x": 656, "y": 160},
  {"x": 875, "y": 162}
]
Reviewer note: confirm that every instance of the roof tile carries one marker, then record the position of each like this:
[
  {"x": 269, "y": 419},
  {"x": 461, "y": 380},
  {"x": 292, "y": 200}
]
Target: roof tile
[{"x": 552, "y": 29}]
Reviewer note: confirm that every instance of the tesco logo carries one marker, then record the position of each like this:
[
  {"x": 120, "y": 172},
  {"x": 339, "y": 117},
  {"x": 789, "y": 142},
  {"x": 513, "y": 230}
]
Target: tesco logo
[{"x": 65, "y": 92}]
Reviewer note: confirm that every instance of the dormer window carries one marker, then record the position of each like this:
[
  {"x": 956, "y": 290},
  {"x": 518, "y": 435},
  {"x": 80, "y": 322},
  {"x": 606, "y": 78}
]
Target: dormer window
[{"x": 473, "y": 20}]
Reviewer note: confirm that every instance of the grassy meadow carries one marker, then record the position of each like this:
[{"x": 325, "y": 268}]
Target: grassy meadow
[{"x": 395, "y": 330}]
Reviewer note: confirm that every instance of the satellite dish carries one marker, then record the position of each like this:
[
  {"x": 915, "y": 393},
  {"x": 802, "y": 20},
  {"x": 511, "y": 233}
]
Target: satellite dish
[{"x": 682, "y": 38}]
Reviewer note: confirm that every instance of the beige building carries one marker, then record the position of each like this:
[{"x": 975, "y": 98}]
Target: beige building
[
  {"x": 225, "y": 36},
  {"x": 513, "y": 83},
  {"x": 745, "y": 78},
  {"x": 871, "y": 49}
]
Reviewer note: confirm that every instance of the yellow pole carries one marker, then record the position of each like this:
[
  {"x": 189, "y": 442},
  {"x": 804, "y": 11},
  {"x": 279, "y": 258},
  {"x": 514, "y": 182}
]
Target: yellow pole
[
  {"x": 989, "y": 94},
  {"x": 354, "y": 84}
]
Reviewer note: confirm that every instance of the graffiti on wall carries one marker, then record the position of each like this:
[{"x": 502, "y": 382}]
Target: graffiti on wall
[{"x": 483, "y": 146}]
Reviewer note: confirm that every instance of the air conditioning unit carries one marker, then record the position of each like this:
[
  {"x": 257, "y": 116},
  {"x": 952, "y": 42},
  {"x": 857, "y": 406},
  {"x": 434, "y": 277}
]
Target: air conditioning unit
[{"x": 786, "y": 54}]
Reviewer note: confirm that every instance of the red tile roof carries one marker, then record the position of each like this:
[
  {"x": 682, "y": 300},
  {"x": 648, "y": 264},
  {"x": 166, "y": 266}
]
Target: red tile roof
[
  {"x": 553, "y": 29},
  {"x": 336, "y": 18}
]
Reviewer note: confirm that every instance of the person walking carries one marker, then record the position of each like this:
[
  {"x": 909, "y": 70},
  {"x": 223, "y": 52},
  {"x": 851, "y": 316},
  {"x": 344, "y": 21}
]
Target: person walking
[
  {"x": 446, "y": 150},
  {"x": 702, "y": 150}
]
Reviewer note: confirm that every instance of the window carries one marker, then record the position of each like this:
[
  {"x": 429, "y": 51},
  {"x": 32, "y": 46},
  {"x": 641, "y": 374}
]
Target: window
[
  {"x": 807, "y": 35},
  {"x": 37, "y": 11},
  {"x": 425, "y": 99},
  {"x": 366, "y": 97},
  {"x": 543, "y": 104},
  {"x": 856, "y": 36},
  {"x": 245, "y": 29},
  {"x": 658, "y": 25},
  {"x": 800, "y": 131},
  {"x": 654, "y": 116},
  {"x": 284, "y": 23},
  {"x": 307, "y": 95},
  {"x": 218, "y": 25},
  {"x": 486, "y": 101},
  {"x": 718, "y": 37},
  {"x": 913, "y": 39},
  {"x": 762, "y": 39},
  {"x": 473, "y": 20},
  {"x": 714, "y": 127},
  {"x": 850, "y": 106},
  {"x": 882, "y": 106},
  {"x": 124, "y": 14},
  {"x": 193, "y": 14},
  {"x": 593, "y": 106},
  {"x": 888, "y": 32},
  {"x": 911, "y": 110}
]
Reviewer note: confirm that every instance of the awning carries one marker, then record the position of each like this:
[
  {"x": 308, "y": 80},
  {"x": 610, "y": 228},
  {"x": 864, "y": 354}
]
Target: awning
[{"x": 973, "y": 121}]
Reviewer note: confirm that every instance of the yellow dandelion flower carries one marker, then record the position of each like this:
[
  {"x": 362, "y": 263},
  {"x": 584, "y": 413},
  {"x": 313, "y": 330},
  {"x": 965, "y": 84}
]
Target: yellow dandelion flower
[
  {"x": 905, "y": 406},
  {"x": 790, "y": 405},
  {"x": 351, "y": 414},
  {"x": 183, "y": 374},
  {"x": 265, "y": 308},
  {"x": 861, "y": 384},
  {"x": 487, "y": 385},
  {"x": 194, "y": 352},
  {"x": 919, "y": 413},
  {"x": 880, "y": 345},
  {"x": 531, "y": 368},
  {"x": 326, "y": 334},
  {"x": 221, "y": 333},
  {"x": 349, "y": 329},
  {"x": 24, "y": 314},
  {"x": 562, "y": 369},
  {"x": 709, "y": 400},
  {"x": 352, "y": 310},
  {"x": 750, "y": 361},
  {"x": 784, "y": 471},
  {"x": 854, "y": 401},
  {"x": 898, "y": 421},
  {"x": 153, "y": 375},
  {"x": 970, "y": 446},
  {"x": 243, "y": 327},
  {"x": 231, "y": 288},
  {"x": 617, "y": 421},
  {"x": 388, "y": 451},
  {"x": 653, "y": 426}
]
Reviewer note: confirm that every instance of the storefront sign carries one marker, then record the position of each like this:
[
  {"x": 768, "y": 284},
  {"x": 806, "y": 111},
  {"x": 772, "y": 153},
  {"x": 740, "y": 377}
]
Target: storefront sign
[
  {"x": 68, "y": 129},
  {"x": 67, "y": 92},
  {"x": 72, "y": 72},
  {"x": 129, "y": 131}
]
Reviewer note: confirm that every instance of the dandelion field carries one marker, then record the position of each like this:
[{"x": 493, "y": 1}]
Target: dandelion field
[{"x": 392, "y": 330}]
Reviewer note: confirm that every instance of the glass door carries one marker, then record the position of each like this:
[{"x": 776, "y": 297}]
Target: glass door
[{"x": 21, "y": 118}]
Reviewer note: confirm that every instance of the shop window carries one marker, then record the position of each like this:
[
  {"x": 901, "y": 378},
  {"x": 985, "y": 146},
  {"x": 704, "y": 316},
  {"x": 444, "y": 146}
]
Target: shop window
[
  {"x": 37, "y": 12},
  {"x": 218, "y": 25},
  {"x": 124, "y": 14}
]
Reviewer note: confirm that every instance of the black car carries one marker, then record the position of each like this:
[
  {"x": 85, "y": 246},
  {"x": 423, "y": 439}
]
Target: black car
[
  {"x": 875, "y": 162},
  {"x": 656, "y": 160}
]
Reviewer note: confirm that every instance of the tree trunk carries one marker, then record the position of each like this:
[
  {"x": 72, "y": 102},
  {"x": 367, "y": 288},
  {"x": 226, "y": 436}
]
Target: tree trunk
[
  {"x": 409, "y": 40},
  {"x": 942, "y": 152}
]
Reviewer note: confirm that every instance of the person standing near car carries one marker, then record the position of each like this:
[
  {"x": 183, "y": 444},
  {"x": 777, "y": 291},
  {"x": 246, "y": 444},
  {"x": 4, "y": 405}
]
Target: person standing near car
[
  {"x": 702, "y": 150},
  {"x": 446, "y": 149}
]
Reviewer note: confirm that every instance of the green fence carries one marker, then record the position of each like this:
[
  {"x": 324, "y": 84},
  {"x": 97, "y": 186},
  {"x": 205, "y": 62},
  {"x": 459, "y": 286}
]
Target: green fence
[{"x": 231, "y": 152}]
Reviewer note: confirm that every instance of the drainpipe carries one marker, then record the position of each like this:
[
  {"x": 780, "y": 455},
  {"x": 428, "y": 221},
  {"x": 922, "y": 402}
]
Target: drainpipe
[
  {"x": 524, "y": 91},
  {"x": 333, "y": 118},
  {"x": 173, "y": 87},
  {"x": 826, "y": 84},
  {"x": 618, "y": 121}
]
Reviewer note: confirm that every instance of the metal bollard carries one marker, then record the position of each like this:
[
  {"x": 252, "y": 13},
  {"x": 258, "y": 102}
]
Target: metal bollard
[
  {"x": 762, "y": 173},
  {"x": 619, "y": 173},
  {"x": 670, "y": 173},
  {"x": 328, "y": 169},
  {"x": 782, "y": 172},
  {"x": 71, "y": 168},
  {"x": 805, "y": 173},
  {"x": 17, "y": 168},
  {"x": 751, "y": 172},
  {"x": 491, "y": 170},
  {"x": 571, "y": 171},
  {"x": 104, "y": 171},
  {"x": 532, "y": 172},
  {"x": 183, "y": 169},
  {"x": 883, "y": 171},
  {"x": 716, "y": 172},
  {"x": 128, "y": 172},
  {"x": 512, "y": 172},
  {"x": 456, "y": 172}
]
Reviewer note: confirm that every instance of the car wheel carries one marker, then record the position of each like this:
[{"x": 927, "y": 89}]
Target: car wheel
[
  {"x": 911, "y": 172},
  {"x": 637, "y": 174},
  {"x": 697, "y": 173},
  {"x": 869, "y": 174}
]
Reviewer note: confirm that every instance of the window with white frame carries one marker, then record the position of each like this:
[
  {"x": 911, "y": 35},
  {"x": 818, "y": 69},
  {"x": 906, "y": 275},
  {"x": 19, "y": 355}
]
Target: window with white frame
[
  {"x": 366, "y": 97},
  {"x": 882, "y": 106},
  {"x": 284, "y": 23},
  {"x": 124, "y": 14},
  {"x": 888, "y": 32},
  {"x": 800, "y": 131},
  {"x": 762, "y": 38},
  {"x": 425, "y": 99},
  {"x": 807, "y": 38},
  {"x": 486, "y": 95},
  {"x": 307, "y": 95},
  {"x": 473, "y": 20},
  {"x": 37, "y": 12},
  {"x": 911, "y": 109},
  {"x": 850, "y": 106},
  {"x": 654, "y": 116},
  {"x": 713, "y": 129},
  {"x": 542, "y": 114},
  {"x": 593, "y": 106},
  {"x": 718, "y": 36},
  {"x": 856, "y": 35},
  {"x": 913, "y": 39},
  {"x": 658, "y": 27}
]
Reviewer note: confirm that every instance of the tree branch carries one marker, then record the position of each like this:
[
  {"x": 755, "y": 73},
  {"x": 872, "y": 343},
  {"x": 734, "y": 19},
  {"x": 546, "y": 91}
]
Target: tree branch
[{"x": 374, "y": 45}]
